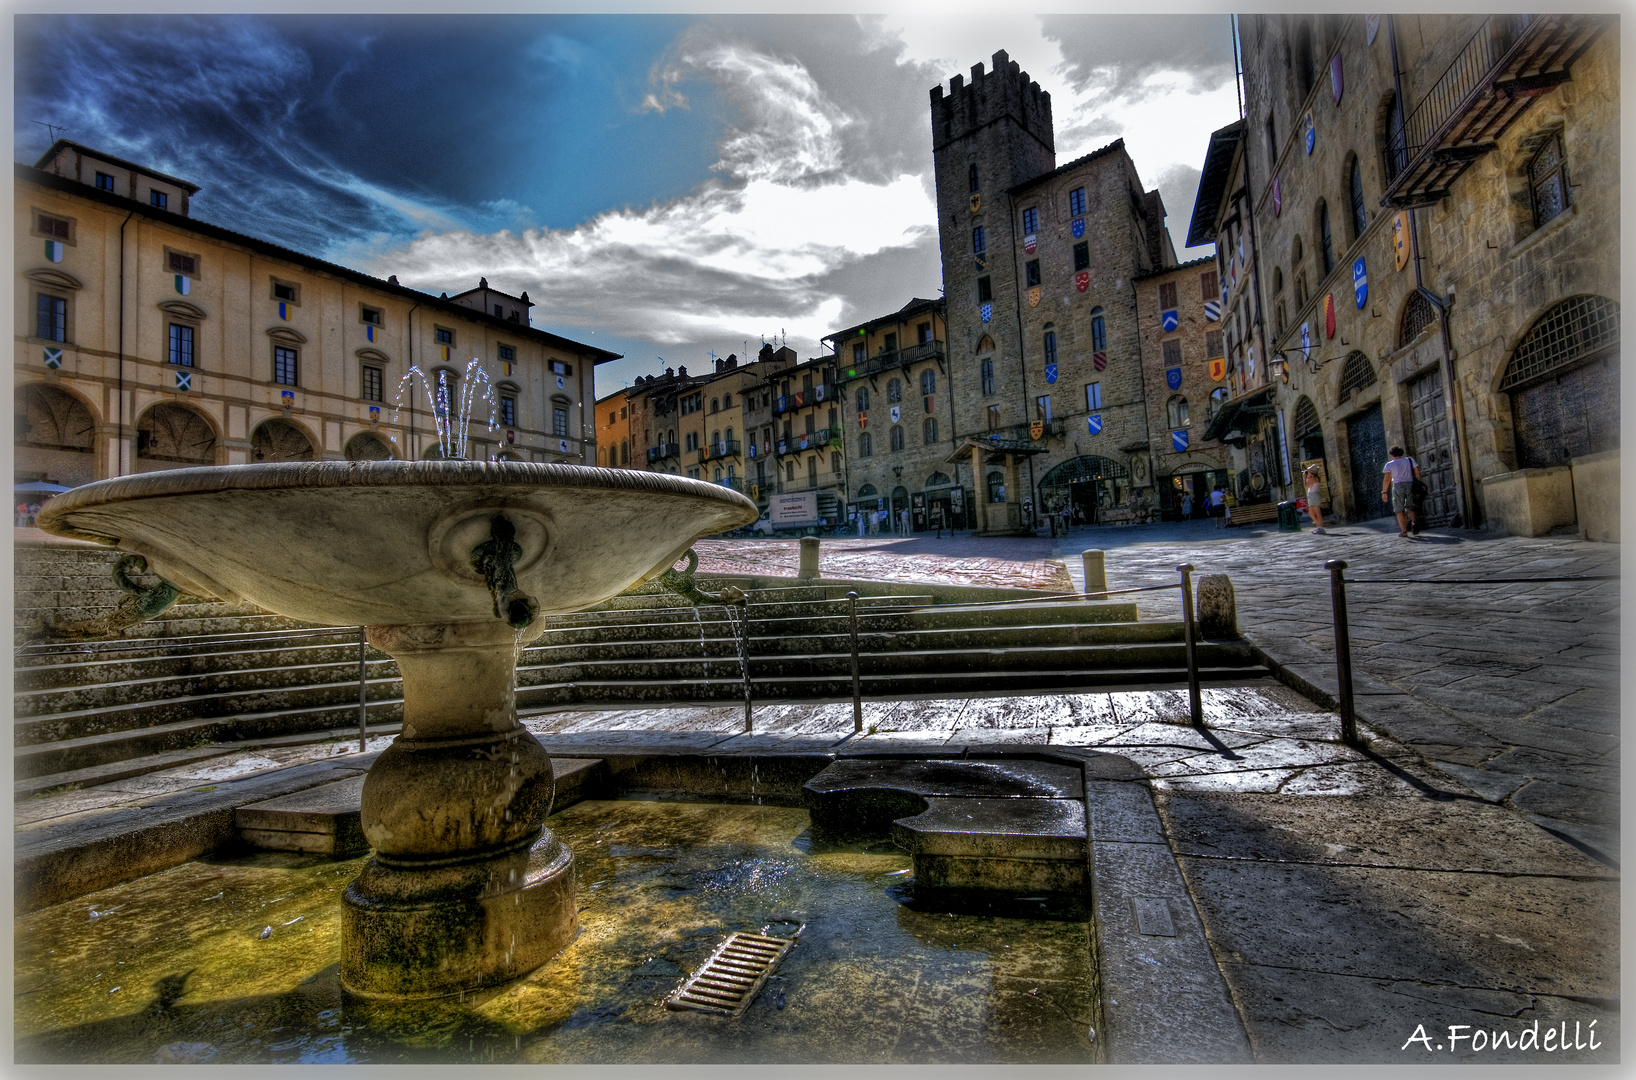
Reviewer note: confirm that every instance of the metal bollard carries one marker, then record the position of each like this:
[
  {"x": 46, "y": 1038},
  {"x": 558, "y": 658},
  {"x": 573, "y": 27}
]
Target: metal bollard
[
  {"x": 1096, "y": 576},
  {"x": 1195, "y": 705},
  {"x": 363, "y": 700},
  {"x": 1343, "y": 650},
  {"x": 857, "y": 688}
]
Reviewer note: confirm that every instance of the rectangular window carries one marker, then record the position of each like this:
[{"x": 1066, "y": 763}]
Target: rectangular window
[
  {"x": 181, "y": 345},
  {"x": 988, "y": 377},
  {"x": 1210, "y": 285},
  {"x": 1167, "y": 295},
  {"x": 1076, "y": 201},
  {"x": 283, "y": 290},
  {"x": 285, "y": 370},
  {"x": 923, "y": 333},
  {"x": 559, "y": 421},
  {"x": 499, "y": 312},
  {"x": 985, "y": 290},
  {"x": 1050, "y": 346},
  {"x": 858, "y": 352},
  {"x": 105, "y": 182},
  {"x": 159, "y": 200},
  {"x": 1173, "y": 351},
  {"x": 979, "y": 240},
  {"x": 994, "y": 418},
  {"x": 178, "y": 263},
  {"x": 372, "y": 316},
  {"x": 1042, "y": 407},
  {"x": 891, "y": 343},
  {"x": 560, "y": 368},
  {"x": 372, "y": 383},
  {"x": 1093, "y": 396},
  {"x": 444, "y": 337},
  {"x": 1082, "y": 256},
  {"x": 55, "y": 227},
  {"x": 508, "y": 411},
  {"x": 508, "y": 353},
  {"x": 1031, "y": 220},
  {"x": 1032, "y": 270},
  {"x": 1212, "y": 341},
  {"x": 53, "y": 318}
]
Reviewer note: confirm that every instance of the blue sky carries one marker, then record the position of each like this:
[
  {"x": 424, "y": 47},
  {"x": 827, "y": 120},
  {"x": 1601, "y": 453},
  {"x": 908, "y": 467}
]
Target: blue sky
[{"x": 661, "y": 185}]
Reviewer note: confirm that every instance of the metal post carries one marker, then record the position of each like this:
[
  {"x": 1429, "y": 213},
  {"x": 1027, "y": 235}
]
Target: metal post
[
  {"x": 1195, "y": 705},
  {"x": 363, "y": 700},
  {"x": 857, "y": 689},
  {"x": 1343, "y": 650}
]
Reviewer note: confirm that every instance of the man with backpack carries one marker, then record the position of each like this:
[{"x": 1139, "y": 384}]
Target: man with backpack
[{"x": 1397, "y": 487}]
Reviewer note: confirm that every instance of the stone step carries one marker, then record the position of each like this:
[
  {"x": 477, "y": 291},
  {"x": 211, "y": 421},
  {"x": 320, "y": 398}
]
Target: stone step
[{"x": 157, "y": 660}]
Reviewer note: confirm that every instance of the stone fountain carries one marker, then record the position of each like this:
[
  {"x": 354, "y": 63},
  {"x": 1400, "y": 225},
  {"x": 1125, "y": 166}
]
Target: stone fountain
[{"x": 449, "y": 565}]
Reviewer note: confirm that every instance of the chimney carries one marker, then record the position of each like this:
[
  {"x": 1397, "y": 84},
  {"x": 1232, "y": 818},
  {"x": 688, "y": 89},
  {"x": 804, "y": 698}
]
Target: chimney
[
  {"x": 482, "y": 283},
  {"x": 681, "y": 372}
]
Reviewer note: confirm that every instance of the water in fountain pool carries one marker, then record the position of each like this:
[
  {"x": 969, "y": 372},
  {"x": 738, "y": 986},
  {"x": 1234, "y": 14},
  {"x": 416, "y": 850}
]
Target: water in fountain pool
[
  {"x": 178, "y": 969},
  {"x": 451, "y": 410}
]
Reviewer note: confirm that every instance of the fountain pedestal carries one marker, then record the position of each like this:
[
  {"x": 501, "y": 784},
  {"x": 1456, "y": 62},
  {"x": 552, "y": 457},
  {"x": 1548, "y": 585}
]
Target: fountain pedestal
[{"x": 466, "y": 887}]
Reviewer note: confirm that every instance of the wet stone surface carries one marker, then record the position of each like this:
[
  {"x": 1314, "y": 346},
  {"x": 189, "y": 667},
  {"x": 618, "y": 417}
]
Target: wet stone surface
[{"x": 875, "y": 977}]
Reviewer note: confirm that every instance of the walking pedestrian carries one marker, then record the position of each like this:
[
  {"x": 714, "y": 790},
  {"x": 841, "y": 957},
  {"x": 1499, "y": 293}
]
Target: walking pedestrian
[
  {"x": 1187, "y": 506},
  {"x": 1313, "y": 488},
  {"x": 1397, "y": 487},
  {"x": 1218, "y": 507}
]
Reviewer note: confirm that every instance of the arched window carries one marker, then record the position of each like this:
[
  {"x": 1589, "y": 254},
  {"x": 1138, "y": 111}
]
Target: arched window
[
  {"x": 729, "y": 434},
  {"x": 979, "y": 240},
  {"x": 1302, "y": 60},
  {"x": 718, "y": 476},
  {"x": 50, "y": 418},
  {"x": 789, "y": 472},
  {"x": 1326, "y": 244},
  {"x": 1573, "y": 332},
  {"x": 715, "y": 405},
  {"x": 928, "y": 382},
  {"x": 715, "y": 437},
  {"x": 1050, "y": 344},
  {"x": 867, "y": 491},
  {"x": 988, "y": 377},
  {"x": 971, "y": 177},
  {"x": 897, "y": 436},
  {"x": 1394, "y": 150},
  {"x": 894, "y": 391},
  {"x": 1417, "y": 315},
  {"x": 1099, "y": 331},
  {"x": 1177, "y": 408},
  {"x": 1354, "y": 185},
  {"x": 624, "y": 451},
  {"x": 985, "y": 344},
  {"x": 996, "y": 486},
  {"x": 866, "y": 445},
  {"x": 1308, "y": 435},
  {"x": 727, "y": 401},
  {"x": 929, "y": 430},
  {"x": 1563, "y": 380},
  {"x": 863, "y": 399},
  {"x": 1548, "y": 180},
  {"x": 280, "y": 440},
  {"x": 1357, "y": 374},
  {"x": 1277, "y": 279},
  {"x": 1218, "y": 398},
  {"x": 938, "y": 479},
  {"x": 1296, "y": 251}
]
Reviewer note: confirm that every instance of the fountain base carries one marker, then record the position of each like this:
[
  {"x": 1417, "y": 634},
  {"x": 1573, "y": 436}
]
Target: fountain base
[{"x": 433, "y": 932}]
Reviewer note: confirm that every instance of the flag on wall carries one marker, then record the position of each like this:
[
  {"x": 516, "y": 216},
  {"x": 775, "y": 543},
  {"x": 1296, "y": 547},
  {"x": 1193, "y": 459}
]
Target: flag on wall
[
  {"x": 897, "y": 410},
  {"x": 1050, "y": 373},
  {"x": 1093, "y": 424},
  {"x": 53, "y": 250},
  {"x": 1082, "y": 280},
  {"x": 184, "y": 380},
  {"x": 1079, "y": 227},
  {"x": 1212, "y": 311},
  {"x": 1034, "y": 296},
  {"x": 863, "y": 420},
  {"x": 1173, "y": 378},
  {"x": 184, "y": 284},
  {"x": 1312, "y": 133},
  {"x": 369, "y": 331},
  {"x": 1329, "y": 315},
  {"x": 284, "y": 313},
  {"x": 1030, "y": 243},
  {"x": 1178, "y": 439},
  {"x": 1360, "y": 282},
  {"x": 987, "y": 311},
  {"x": 53, "y": 359},
  {"x": 1099, "y": 359},
  {"x": 1400, "y": 238},
  {"x": 1218, "y": 369},
  {"x": 1171, "y": 320}
]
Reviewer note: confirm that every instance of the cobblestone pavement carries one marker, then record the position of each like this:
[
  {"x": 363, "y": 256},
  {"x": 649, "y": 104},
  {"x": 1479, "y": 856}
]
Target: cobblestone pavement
[{"x": 1023, "y": 562}]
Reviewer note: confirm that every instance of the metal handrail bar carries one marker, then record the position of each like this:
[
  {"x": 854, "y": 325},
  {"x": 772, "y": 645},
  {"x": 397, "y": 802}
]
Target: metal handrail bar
[
  {"x": 1041, "y": 599},
  {"x": 126, "y": 644},
  {"x": 1479, "y": 581}
]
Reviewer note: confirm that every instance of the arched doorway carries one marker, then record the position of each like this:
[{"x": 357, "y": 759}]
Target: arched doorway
[
  {"x": 1563, "y": 380},
  {"x": 279, "y": 440},
  {"x": 900, "y": 503},
  {"x": 170, "y": 435},
  {"x": 1184, "y": 494},
  {"x": 368, "y": 446},
  {"x": 55, "y": 434},
  {"x": 942, "y": 512},
  {"x": 1088, "y": 485}
]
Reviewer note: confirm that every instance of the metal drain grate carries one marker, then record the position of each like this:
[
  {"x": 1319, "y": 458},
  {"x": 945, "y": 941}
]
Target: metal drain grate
[{"x": 730, "y": 979}]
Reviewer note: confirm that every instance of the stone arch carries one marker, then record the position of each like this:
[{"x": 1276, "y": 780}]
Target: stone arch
[
  {"x": 279, "y": 439},
  {"x": 175, "y": 433},
  {"x": 1356, "y": 374},
  {"x": 985, "y": 344},
  {"x": 1418, "y": 314},
  {"x": 1563, "y": 381},
  {"x": 1307, "y": 431},
  {"x": 938, "y": 479},
  {"x": 368, "y": 446},
  {"x": 52, "y": 418}
]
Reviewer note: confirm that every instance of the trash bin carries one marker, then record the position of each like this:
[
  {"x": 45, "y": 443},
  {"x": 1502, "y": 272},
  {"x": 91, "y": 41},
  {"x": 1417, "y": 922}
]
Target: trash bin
[{"x": 1287, "y": 519}]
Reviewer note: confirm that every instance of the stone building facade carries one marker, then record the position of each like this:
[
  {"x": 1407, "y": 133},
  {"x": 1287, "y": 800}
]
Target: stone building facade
[
  {"x": 148, "y": 340},
  {"x": 1436, "y": 199},
  {"x": 1184, "y": 376},
  {"x": 897, "y": 416},
  {"x": 1038, "y": 266}
]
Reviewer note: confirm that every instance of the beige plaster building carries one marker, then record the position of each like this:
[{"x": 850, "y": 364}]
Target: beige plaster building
[
  {"x": 149, "y": 340},
  {"x": 1436, "y": 199}
]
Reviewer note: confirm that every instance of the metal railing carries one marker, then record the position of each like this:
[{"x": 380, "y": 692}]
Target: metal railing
[
  {"x": 1338, "y": 581},
  {"x": 894, "y": 359},
  {"x": 662, "y": 451},
  {"x": 1475, "y": 61},
  {"x": 821, "y": 394}
]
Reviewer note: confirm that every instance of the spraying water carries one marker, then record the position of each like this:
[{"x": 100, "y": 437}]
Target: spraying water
[{"x": 451, "y": 409}]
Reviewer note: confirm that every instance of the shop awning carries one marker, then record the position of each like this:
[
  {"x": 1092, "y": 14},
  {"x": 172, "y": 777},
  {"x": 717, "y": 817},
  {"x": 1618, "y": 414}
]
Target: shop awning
[
  {"x": 1227, "y": 416},
  {"x": 993, "y": 445}
]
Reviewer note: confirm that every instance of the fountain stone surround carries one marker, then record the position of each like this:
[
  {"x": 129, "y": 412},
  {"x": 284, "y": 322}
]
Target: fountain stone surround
[{"x": 467, "y": 887}]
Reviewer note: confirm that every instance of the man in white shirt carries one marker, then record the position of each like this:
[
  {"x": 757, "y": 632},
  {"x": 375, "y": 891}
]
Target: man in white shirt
[{"x": 1397, "y": 487}]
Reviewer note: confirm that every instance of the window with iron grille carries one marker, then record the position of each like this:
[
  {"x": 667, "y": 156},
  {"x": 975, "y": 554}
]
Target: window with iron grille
[
  {"x": 1357, "y": 374},
  {"x": 285, "y": 370},
  {"x": 928, "y": 382},
  {"x": 1031, "y": 270},
  {"x": 1076, "y": 201},
  {"x": 1418, "y": 314},
  {"x": 52, "y": 324},
  {"x": 559, "y": 421},
  {"x": 508, "y": 352},
  {"x": 1548, "y": 179},
  {"x": 1574, "y": 331},
  {"x": 1050, "y": 346},
  {"x": 1099, "y": 331},
  {"x": 179, "y": 263},
  {"x": 508, "y": 411},
  {"x": 1031, "y": 220},
  {"x": 445, "y": 337},
  {"x": 928, "y": 429},
  {"x": 1210, "y": 285},
  {"x": 1172, "y": 351},
  {"x": 894, "y": 391},
  {"x": 371, "y": 383},
  {"x": 47, "y": 225},
  {"x": 181, "y": 345},
  {"x": 988, "y": 377},
  {"x": 979, "y": 240},
  {"x": 866, "y": 445},
  {"x": 1306, "y": 417},
  {"x": 1082, "y": 256},
  {"x": 1212, "y": 344},
  {"x": 971, "y": 178},
  {"x": 863, "y": 399}
]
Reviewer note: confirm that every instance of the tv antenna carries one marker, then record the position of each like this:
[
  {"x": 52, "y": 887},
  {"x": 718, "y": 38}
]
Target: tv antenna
[{"x": 51, "y": 129}]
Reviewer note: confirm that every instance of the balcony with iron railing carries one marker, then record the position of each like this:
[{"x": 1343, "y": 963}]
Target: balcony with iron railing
[
  {"x": 1492, "y": 80},
  {"x": 811, "y": 440},
  {"x": 893, "y": 360},
  {"x": 717, "y": 450},
  {"x": 663, "y": 451},
  {"x": 821, "y": 394}
]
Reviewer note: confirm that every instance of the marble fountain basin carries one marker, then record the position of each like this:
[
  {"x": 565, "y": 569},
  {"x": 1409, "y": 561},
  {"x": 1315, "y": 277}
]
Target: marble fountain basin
[
  {"x": 466, "y": 887},
  {"x": 389, "y": 542}
]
